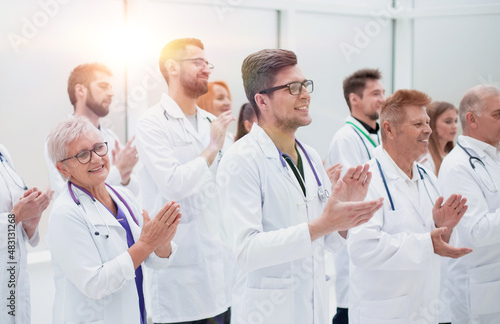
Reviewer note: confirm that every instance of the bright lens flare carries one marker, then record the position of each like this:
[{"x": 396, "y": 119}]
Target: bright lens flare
[{"x": 128, "y": 44}]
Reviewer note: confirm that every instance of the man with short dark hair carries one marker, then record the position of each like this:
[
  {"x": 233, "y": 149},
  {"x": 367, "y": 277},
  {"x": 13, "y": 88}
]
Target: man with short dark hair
[
  {"x": 472, "y": 169},
  {"x": 278, "y": 215},
  {"x": 90, "y": 92},
  {"x": 180, "y": 147},
  {"x": 394, "y": 267},
  {"x": 351, "y": 145}
]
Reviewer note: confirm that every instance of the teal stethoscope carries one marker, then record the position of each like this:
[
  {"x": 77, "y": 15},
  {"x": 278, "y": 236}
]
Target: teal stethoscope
[
  {"x": 473, "y": 160},
  {"x": 359, "y": 131},
  {"x": 18, "y": 181},
  {"x": 421, "y": 172}
]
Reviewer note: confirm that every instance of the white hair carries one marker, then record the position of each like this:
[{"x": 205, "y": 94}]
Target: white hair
[
  {"x": 474, "y": 101},
  {"x": 66, "y": 132}
]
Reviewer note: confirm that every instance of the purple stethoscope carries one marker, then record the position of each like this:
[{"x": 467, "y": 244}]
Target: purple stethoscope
[
  {"x": 77, "y": 202},
  {"x": 323, "y": 194}
]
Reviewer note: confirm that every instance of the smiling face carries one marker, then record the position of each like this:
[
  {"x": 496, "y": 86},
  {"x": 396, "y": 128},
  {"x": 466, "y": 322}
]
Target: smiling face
[
  {"x": 193, "y": 79},
  {"x": 368, "y": 107},
  {"x": 283, "y": 110},
  {"x": 411, "y": 139},
  {"x": 446, "y": 126},
  {"x": 487, "y": 124},
  {"x": 88, "y": 175},
  {"x": 222, "y": 101}
]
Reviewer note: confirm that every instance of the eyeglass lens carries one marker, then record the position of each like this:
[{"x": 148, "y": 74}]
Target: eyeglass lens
[
  {"x": 296, "y": 87},
  {"x": 100, "y": 149}
]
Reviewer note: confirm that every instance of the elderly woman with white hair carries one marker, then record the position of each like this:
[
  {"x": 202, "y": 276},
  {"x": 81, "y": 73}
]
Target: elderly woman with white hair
[{"x": 95, "y": 234}]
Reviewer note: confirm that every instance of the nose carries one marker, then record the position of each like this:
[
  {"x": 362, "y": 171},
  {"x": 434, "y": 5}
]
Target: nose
[
  {"x": 92, "y": 155},
  {"x": 304, "y": 93}
]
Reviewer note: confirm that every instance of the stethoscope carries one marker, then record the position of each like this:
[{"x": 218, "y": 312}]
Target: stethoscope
[
  {"x": 478, "y": 160},
  {"x": 78, "y": 203},
  {"x": 421, "y": 172},
  {"x": 323, "y": 194},
  {"x": 359, "y": 131},
  {"x": 13, "y": 174}
]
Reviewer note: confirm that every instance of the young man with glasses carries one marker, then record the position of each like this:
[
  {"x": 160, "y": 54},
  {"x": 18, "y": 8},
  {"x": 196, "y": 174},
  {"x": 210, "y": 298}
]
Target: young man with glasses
[
  {"x": 180, "y": 147},
  {"x": 90, "y": 92},
  {"x": 277, "y": 211}
]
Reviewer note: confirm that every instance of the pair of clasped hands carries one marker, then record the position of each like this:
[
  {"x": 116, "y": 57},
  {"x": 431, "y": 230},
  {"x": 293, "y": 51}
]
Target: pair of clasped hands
[{"x": 346, "y": 209}]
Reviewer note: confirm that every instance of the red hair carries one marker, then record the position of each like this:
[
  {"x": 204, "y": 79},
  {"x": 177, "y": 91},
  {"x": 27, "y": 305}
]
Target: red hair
[{"x": 206, "y": 101}]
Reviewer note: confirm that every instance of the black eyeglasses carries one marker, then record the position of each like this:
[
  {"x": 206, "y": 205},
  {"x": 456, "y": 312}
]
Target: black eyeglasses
[
  {"x": 295, "y": 88},
  {"x": 199, "y": 62},
  {"x": 84, "y": 157}
]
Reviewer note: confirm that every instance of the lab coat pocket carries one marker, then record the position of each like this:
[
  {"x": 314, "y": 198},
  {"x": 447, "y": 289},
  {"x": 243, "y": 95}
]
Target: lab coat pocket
[
  {"x": 188, "y": 244},
  {"x": 484, "y": 287},
  {"x": 390, "y": 311},
  {"x": 270, "y": 304}
]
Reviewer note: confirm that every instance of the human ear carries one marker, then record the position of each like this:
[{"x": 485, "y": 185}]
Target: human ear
[
  {"x": 471, "y": 119},
  {"x": 389, "y": 129},
  {"x": 63, "y": 168},
  {"x": 262, "y": 101}
]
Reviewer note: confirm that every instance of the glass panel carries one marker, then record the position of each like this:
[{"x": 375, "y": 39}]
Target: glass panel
[
  {"x": 448, "y": 61},
  {"x": 329, "y": 48}
]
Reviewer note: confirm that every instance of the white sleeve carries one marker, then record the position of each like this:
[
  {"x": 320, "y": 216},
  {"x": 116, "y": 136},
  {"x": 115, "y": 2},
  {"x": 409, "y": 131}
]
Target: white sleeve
[
  {"x": 174, "y": 180},
  {"x": 152, "y": 261},
  {"x": 481, "y": 226},
  {"x": 241, "y": 203}
]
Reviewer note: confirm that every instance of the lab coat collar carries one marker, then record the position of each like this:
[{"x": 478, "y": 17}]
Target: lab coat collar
[
  {"x": 476, "y": 147},
  {"x": 394, "y": 174},
  {"x": 93, "y": 215},
  {"x": 391, "y": 169},
  {"x": 265, "y": 142},
  {"x": 204, "y": 118}
]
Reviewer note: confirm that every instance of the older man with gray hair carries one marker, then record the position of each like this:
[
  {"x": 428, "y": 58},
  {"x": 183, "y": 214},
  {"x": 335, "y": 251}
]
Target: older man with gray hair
[
  {"x": 472, "y": 169},
  {"x": 395, "y": 257}
]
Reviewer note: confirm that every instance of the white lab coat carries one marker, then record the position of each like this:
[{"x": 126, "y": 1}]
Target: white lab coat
[
  {"x": 475, "y": 278},
  {"x": 348, "y": 148},
  {"x": 427, "y": 161},
  {"x": 58, "y": 183},
  {"x": 281, "y": 273},
  {"x": 9, "y": 195},
  {"x": 94, "y": 276},
  {"x": 195, "y": 286},
  {"x": 394, "y": 273}
]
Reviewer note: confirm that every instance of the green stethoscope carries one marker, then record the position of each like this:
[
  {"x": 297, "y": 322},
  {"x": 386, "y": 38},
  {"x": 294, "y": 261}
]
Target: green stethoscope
[{"x": 359, "y": 131}]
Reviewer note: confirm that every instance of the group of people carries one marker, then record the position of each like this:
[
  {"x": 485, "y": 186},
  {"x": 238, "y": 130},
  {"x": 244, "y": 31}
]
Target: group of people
[{"x": 221, "y": 228}]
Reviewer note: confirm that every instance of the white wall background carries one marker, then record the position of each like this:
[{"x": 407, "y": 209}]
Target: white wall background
[{"x": 440, "y": 47}]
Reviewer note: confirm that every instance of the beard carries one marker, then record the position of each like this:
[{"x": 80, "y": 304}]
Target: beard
[
  {"x": 97, "y": 108},
  {"x": 193, "y": 87},
  {"x": 373, "y": 116},
  {"x": 290, "y": 124}
]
